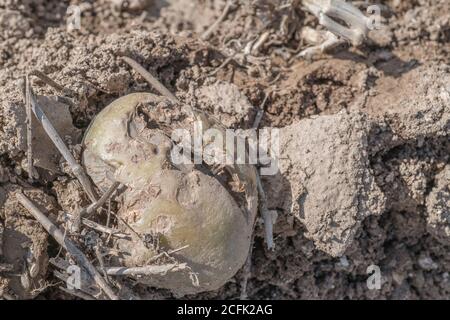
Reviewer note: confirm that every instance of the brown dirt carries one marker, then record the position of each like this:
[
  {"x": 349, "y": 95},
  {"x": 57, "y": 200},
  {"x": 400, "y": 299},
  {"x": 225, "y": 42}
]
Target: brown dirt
[{"x": 372, "y": 124}]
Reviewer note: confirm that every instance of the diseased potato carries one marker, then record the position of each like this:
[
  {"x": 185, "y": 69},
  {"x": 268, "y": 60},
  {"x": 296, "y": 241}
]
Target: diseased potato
[{"x": 180, "y": 205}]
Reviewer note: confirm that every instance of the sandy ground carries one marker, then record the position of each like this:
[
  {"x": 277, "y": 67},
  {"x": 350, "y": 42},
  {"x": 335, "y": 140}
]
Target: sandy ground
[{"x": 364, "y": 171}]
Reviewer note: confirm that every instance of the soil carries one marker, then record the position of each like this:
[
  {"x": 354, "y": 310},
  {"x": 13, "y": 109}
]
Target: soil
[{"x": 365, "y": 148}]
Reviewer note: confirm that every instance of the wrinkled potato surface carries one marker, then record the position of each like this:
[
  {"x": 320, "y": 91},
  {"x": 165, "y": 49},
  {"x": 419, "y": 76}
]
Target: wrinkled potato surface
[{"x": 181, "y": 206}]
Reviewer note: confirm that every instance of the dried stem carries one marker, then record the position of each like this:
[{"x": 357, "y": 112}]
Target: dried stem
[
  {"x": 103, "y": 229},
  {"x": 92, "y": 290},
  {"x": 164, "y": 253},
  {"x": 260, "y": 113},
  {"x": 131, "y": 229},
  {"x": 262, "y": 39},
  {"x": 330, "y": 41},
  {"x": 268, "y": 222},
  {"x": 208, "y": 33},
  {"x": 52, "y": 83},
  {"x": 77, "y": 169},
  {"x": 105, "y": 197},
  {"x": 99, "y": 256},
  {"x": 247, "y": 270},
  {"x": 30, "y": 166},
  {"x": 151, "y": 79},
  {"x": 108, "y": 218},
  {"x": 67, "y": 244},
  {"x": 325, "y": 10},
  {"x": 147, "y": 270},
  {"x": 94, "y": 206},
  {"x": 223, "y": 65},
  {"x": 156, "y": 83}
]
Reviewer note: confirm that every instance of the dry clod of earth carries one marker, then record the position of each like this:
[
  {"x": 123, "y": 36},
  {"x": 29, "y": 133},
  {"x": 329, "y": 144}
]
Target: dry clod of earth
[
  {"x": 332, "y": 149},
  {"x": 227, "y": 103}
]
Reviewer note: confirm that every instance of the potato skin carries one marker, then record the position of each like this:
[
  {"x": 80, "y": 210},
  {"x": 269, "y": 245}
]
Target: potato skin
[
  {"x": 184, "y": 208},
  {"x": 196, "y": 210},
  {"x": 110, "y": 150}
]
